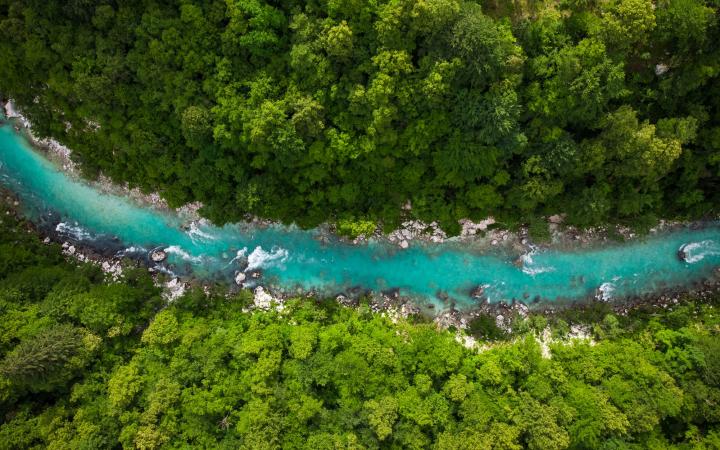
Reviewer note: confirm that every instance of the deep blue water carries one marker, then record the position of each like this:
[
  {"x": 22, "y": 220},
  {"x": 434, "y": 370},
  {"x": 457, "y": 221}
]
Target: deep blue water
[{"x": 291, "y": 258}]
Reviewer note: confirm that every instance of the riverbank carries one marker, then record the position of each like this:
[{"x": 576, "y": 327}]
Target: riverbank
[
  {"x": 390, "y": 303},
  {"x": 483, "y": 235},
  {"x": 442, "y": 288}
]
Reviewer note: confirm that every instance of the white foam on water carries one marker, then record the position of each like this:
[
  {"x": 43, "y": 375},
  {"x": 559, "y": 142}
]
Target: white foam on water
[
  {"x": 239, "y": 255},
  {"x": 195, "y": 232},
  {"x": 697, "y": 251},
  {"x": 131, "y": 250},
  {"x": 177, "y": 250},
  {"x": 493, "y": 291},
  {"x": 528, "y": 263},
  {"x": 606, "y": 291},
  {"x": 161, "y": 269},
  {"x": 259, "y": 258},
  {"x": 74, "y": 230}
]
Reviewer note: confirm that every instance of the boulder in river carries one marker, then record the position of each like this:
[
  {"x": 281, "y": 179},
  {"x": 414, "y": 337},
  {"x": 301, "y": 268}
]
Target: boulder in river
[
  {"x": 477, "y": 292},
  {"x": 682, "y": 256},
  {"x": 158, "y": 255}
]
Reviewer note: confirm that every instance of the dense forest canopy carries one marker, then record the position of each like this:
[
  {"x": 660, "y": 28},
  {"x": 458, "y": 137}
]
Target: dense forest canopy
[
  {"x": 91, "y": 363},
  {"x": 320, "y": 110}
]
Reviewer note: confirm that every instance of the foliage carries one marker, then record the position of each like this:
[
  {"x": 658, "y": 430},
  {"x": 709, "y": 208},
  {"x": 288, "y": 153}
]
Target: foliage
[
  {"x": 92, "y": 364},
  {"x": 306, "y": 111}
]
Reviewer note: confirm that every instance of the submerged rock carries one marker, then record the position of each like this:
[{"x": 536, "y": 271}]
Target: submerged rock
[{"x": 477, "y": 292}]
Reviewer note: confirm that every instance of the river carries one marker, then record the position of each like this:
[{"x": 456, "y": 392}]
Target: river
[{"x": 293, "y": 259}]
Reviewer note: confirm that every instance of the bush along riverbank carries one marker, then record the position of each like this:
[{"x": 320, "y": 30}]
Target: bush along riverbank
[{"x": 92, "y": 361}]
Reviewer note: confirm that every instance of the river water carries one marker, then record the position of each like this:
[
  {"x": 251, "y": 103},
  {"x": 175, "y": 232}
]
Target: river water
[{"x": 291, "y": 259}]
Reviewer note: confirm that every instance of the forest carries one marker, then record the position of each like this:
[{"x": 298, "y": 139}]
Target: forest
[
  {"x": 312, "y": 111},
  {"x": 88, "y": 362}
]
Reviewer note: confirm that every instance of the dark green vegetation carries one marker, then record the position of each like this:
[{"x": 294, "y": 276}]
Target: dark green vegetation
[
  {"x": 86, "y": 364},
  {"x": 343, "y": 110}
]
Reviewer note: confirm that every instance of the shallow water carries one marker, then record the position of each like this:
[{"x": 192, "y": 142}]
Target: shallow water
[{"x": 291, "y": 258}]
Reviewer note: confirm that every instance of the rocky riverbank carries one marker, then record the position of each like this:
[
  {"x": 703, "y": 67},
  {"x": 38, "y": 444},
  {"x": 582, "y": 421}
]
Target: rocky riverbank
[
  {"x": 474, "y": 237},
  {"x": 479, "y": 235}
]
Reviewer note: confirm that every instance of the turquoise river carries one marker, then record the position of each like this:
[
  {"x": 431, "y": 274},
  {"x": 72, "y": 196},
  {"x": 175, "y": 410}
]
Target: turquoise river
[{"x": 291, "y": 259}]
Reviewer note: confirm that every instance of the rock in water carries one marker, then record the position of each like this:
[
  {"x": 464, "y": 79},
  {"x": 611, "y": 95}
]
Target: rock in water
[
  {"x": 682, "y": 256},
  {"x": 158, "y": 255},
  {"x": 239, "y": 278},
  {"x": 477, "y": 292}
]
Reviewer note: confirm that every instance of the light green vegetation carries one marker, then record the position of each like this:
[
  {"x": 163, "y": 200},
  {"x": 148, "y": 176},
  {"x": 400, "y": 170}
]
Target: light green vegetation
[{"x": 87, "y": 364}]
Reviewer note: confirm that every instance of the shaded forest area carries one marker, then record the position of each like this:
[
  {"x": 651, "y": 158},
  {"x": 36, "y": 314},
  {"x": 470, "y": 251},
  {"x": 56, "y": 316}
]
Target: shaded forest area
[
  {"x": 91, "y": 363},
  {"x": 312, "y": 111}
]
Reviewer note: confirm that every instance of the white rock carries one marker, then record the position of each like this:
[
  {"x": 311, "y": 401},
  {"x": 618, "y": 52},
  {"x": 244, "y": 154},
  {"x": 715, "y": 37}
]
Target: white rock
[
  {"x": 173, "y": 289},
  {"x": 404, "y": 244},
  {"x": 661, "y": 69},
  {"x": 158, "y": 256},
  {"x": 556, "y": 219},
  {"x": 239, "y": 278},
  {"x": 46, "y": 240},
  {"x": 468, "y": 342},
  {"x": 262, "y": 299}
]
